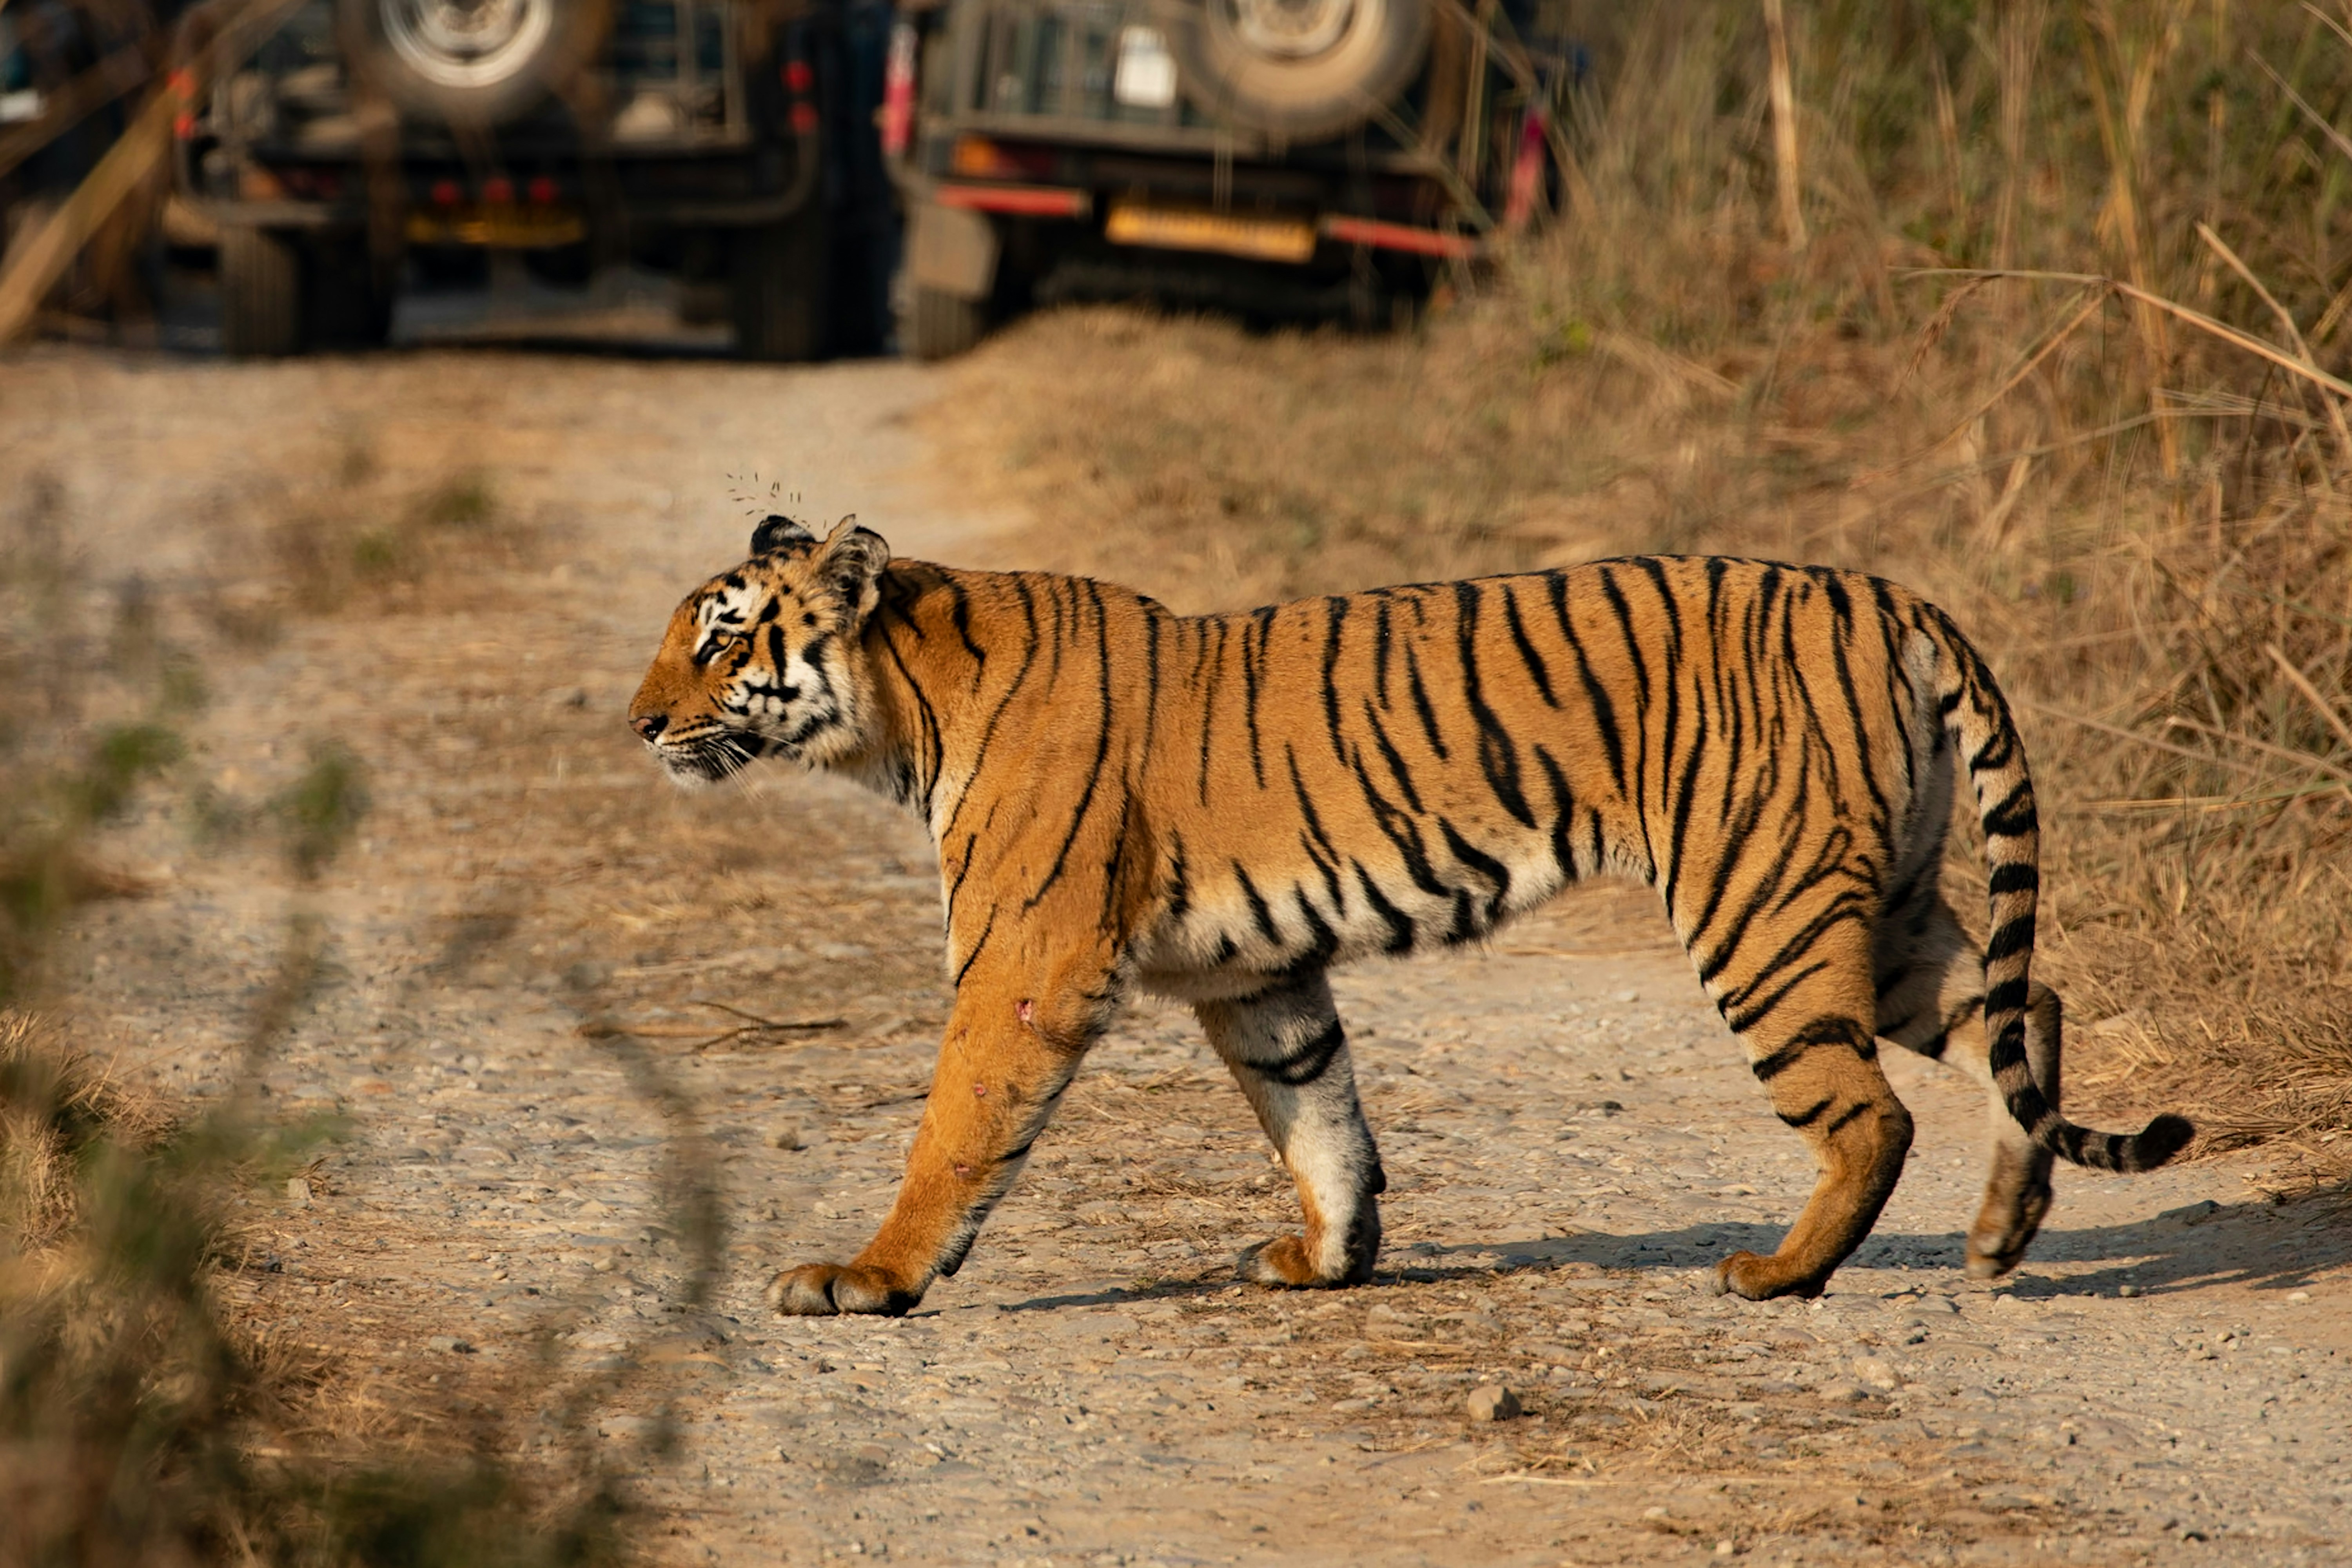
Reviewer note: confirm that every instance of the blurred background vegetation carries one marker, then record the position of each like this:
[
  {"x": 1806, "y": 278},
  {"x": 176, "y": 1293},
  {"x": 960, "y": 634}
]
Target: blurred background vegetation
[{"x": 2046, "y": 316}]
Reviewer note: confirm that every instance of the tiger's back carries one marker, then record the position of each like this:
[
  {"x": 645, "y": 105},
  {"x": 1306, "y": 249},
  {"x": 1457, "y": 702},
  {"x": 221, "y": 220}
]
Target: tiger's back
[{"x": 1219, "y": 808}]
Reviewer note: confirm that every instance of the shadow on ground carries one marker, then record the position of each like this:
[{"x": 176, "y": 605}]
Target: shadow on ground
[{"x": 2261, "y": 1246}]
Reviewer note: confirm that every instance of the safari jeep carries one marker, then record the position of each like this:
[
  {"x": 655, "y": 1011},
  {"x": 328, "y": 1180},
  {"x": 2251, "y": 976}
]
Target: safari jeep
[
  {"x": 728, "y": 144},
  {"x": 1318, "y": 157}
]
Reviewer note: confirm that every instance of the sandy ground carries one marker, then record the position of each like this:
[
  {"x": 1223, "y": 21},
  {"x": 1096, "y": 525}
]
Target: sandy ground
[{"x": 537, "y": 946}]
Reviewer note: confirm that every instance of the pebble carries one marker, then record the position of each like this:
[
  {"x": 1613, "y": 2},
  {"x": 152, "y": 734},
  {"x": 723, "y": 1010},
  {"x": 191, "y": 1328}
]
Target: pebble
[
  {"x": 1493, "y": 1402},
  {"x": 2127, "y": 1291},
  {"x": 1878, "y": 1373},
  {"x": 298, "y": 1191},
  {"x": 449, "y": 1344}
]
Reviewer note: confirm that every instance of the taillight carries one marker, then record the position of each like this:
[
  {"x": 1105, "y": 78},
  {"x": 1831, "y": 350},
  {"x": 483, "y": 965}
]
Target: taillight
[
  {"x": 898, "y": 91},
  {"x": 446, "y": 192},
  {"x": 979, "y": 158},
  {"x": 800, "y": 78},
  {"x": 498, "y": 191}
]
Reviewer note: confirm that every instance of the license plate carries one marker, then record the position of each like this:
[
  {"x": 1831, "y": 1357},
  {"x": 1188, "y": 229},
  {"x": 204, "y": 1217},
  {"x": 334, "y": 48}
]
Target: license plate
[
  {"x": 483, "y": 223},
  {"x": 1175, "y": 228}
]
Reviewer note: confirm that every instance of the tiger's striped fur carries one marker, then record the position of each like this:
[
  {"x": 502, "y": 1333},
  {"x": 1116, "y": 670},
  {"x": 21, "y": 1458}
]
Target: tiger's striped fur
[{"x": 1219, "y": 808}]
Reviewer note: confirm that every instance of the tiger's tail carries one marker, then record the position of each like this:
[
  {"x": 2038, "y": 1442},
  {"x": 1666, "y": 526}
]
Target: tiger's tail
[{"x": 1977, "y": 718}]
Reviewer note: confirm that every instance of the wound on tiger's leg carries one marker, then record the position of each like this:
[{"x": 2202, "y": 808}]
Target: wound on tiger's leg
[
  {"x": 1001, "y": 1074},
  {"x": 1287, "y": 1052}
]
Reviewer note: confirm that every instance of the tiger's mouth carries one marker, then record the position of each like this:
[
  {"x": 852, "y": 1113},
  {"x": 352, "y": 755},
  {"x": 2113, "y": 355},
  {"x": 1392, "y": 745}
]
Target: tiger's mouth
[{"x": 709, "y": 758}]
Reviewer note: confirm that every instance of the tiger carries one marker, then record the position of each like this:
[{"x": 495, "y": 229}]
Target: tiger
[{"x": 1219, "y": 808}]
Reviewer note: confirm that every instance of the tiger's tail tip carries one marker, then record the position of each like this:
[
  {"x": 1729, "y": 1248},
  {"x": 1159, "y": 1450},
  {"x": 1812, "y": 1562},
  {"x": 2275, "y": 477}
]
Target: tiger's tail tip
[
  {"x": 2121, "y": 1152},
  {"x": 2160, "y": 1140}
]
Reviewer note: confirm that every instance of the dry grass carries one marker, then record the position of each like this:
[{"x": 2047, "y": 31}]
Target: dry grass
[
  {"x": 2143, "y": 520},
  {"x": 56, "y": 1105}
]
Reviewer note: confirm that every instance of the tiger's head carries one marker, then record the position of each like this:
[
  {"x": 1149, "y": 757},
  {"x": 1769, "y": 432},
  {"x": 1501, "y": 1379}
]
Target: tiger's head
[{"x": 764, "y": 660}]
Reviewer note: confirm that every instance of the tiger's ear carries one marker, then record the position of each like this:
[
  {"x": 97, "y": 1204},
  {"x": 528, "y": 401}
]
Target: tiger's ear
[
  {"x": 851, "y": 560},
  {"x": 775, "y": 531}
]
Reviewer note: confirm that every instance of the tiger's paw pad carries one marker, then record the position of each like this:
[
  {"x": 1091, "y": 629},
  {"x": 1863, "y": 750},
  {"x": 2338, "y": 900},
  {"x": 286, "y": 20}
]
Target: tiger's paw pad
[
  {"x": 827, "y": 1289},
  {"x": 1754, "y": 1277},
  {"x": 1283, "y": 1264}
]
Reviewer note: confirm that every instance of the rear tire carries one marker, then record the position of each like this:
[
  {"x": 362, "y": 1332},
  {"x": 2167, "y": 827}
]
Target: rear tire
[
  {"x": 777, "y": 287},
  {"x": 939, "y": 325},
  {"x": 260, "y": 293}
]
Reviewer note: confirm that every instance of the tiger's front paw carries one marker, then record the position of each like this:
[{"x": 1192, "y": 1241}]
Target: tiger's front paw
[
  {"x": 1755, "y": 1277},
  {"x": 824, "y": 1289}
]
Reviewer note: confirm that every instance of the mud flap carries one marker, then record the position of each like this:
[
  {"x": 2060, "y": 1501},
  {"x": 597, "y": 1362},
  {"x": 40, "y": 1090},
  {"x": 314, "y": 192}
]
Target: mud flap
[{"x": 953, "y": 251}]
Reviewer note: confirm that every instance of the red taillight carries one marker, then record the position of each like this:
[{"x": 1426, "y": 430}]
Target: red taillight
[
  {"x": 803, "y": 119},
  {"x": 182, "y": 86},
  {"x": 498, "y": 191},
  {"x": 798, "y": 76},
  {"x": 446, "y": 192},
  {"x": 542, "y": 190},
  {"x": 898, "y": 92}
]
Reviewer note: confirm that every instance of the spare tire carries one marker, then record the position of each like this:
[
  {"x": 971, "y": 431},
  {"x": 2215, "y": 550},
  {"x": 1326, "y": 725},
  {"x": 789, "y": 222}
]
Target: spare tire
[
  {"x": 1301, "y": 70},
  {"x": 470, "y": 62}
]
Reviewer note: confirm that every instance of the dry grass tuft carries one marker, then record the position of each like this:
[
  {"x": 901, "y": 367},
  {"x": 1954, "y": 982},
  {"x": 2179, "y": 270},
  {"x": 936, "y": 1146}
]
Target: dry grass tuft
[
  {"x": 2137, "y": 499},
  {"x": 57, "y": 1106}
]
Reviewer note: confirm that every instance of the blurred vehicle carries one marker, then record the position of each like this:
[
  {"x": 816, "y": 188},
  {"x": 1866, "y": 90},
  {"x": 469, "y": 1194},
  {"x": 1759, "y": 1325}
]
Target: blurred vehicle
[
  {"x": 1281, "y": 157},
  {"x": 731, "y": 145}
]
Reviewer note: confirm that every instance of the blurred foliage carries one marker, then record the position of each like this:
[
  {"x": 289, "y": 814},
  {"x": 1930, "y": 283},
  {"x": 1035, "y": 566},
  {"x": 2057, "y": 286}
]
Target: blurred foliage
[{"x": 139, "y": 1424}]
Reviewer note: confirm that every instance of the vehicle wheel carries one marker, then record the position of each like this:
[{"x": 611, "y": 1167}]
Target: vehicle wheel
[
  {"x": 260, "y": 293},
  {"x": 348, "y": 294},
  {"x": 777, "y": 287},
  {"x": 940, "y": 325},
  {"x": 1299, "y": 70},
  {"x": 471, "y": 62}
]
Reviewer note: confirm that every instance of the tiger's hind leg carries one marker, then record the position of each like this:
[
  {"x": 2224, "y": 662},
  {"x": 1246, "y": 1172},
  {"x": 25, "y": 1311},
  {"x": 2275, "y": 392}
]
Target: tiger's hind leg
[
  {"x": 1931, "y": 1001},
  {"x": 1805, "y": 1022},
  {"x": 1287, "y": 1050}
]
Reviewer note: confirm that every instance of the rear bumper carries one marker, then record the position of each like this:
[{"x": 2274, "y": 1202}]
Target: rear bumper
[{"x": 1078, "y": 204}]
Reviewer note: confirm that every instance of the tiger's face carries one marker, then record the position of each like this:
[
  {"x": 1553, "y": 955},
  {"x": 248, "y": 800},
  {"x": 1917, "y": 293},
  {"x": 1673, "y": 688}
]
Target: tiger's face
[{"x": 764, "y": 661}]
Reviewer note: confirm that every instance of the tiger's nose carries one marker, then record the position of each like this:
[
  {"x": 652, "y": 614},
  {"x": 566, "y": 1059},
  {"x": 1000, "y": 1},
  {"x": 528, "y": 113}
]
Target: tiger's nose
[{"x": 649, "y": 726}]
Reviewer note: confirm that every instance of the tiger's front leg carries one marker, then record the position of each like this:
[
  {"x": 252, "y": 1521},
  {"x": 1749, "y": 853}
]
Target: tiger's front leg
[
  {"x": 1004, "y": 1063},
  {"x": 1287, "y": 1052}
]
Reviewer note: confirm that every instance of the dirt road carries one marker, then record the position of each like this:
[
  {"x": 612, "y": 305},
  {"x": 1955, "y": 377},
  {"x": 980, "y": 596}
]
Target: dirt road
[{"x": 1569, "y": 1136}]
